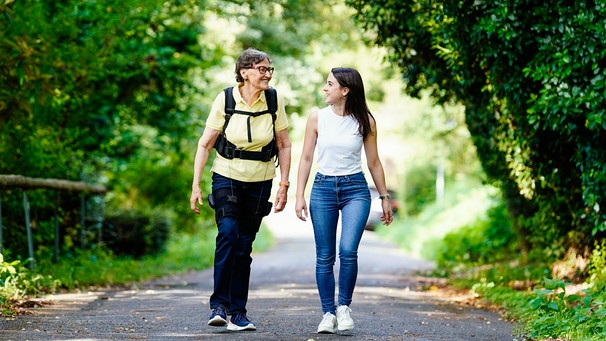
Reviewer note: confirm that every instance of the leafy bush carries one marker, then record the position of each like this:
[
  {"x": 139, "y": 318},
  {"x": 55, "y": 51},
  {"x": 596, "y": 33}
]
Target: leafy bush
[
  {"x": 597, "y": 267},
  {"x": 556, "y": 314},
  {"x": 79, "y": 80},
  {"x": 420, "y": 188},
  {"x": 9, "y": 279},
  {"x": 18, "y": 282},
  {"x": 135, "y": 234},
  {"x": 531, "y": 77},
  {"x": 489, "y": 240},
  {"x": 555, "y": 309}
]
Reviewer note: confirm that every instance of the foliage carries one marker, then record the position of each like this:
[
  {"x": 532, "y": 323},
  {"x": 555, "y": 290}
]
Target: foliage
[
  {"x": 420, "y": 189},
  {"x": 531, "y": 78},
  {"x": 489, "y": 267},
  {"x": 554, "y": 313},
  {"x": 135, "y": 235},
  {"x": 17, "y": 282},
  {"x": 81, "y": 77},
  {"x": 489, "y": 240},
  {"x": 597, "y": 267},
  {"x": 115, "y": 92},
  {"x": 301, "y": 36},
  {"x": 119, "y": 63},
  {"x": 8, "y": 280},
  {"x": 44, "y": 206},
  {"x": 439, "y": 140},
  {"x": 465, "y": 202},
  {"x": 512, "y": 303},
  {"x": 99, "y": 267},
  {"x": 555, "y": 308}
]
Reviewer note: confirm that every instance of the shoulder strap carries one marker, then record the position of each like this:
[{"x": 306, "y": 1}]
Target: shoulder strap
[
  {"x": 271, "y": 97},
  {"x": 230, "y": 105}
]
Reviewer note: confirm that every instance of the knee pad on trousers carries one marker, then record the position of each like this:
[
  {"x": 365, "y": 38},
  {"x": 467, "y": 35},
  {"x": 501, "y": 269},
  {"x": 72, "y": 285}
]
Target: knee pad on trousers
[{"x": 225, "y": 202}]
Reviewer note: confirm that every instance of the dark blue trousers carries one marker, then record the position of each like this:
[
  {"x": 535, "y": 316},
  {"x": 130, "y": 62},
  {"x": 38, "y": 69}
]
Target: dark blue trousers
[{"x": 239, "y": 208}]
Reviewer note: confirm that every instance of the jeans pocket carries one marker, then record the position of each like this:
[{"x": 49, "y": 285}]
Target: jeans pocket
[
  {"x": 357, "y": 179},
  {"x": 318, "y": 178}
]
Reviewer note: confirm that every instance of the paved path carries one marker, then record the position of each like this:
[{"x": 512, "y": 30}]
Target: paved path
[{"x": 284, "y": 305}]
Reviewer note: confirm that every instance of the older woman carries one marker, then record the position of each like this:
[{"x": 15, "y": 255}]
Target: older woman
[{"x": 248, "y": 140}]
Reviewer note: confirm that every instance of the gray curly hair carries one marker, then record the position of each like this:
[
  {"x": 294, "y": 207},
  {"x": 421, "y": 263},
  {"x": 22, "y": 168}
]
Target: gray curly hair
[{"x": 246, "y": 60}]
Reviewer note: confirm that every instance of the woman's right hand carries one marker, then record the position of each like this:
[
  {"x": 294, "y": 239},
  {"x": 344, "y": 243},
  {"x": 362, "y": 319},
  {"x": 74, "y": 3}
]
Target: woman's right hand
[
  {"x": 301, "y": 209},
  {"x": 196, "y": 198}
]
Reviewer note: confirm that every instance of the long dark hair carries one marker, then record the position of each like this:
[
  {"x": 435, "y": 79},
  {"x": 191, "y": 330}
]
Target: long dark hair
[
  {"x": 355, "y": 101},
  {"x": 246, "y": 60}
]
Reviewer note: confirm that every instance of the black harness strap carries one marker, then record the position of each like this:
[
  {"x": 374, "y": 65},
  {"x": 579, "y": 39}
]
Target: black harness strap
[{"x": 227, "y": 149}]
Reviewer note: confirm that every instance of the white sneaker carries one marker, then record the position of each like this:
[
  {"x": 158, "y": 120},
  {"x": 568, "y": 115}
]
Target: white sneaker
[
  {"x": 344, "y": 320},
  {"x": 328, "y": 324}
]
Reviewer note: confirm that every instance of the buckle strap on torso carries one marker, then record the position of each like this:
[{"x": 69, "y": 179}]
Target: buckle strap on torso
[{"x": 252, "y": 114}]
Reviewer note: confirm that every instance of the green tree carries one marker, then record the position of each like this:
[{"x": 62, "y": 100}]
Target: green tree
[
  {"x": 531, "y": 77},
  {"x": 116, "y": 92},
  {"x": 83, "y": 85}
]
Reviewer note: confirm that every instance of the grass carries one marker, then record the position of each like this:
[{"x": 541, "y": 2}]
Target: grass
[
  {"x": 463, "y": 204},
  {"x": 100, "y": 268},
  {"x": 542, "y": 308}
]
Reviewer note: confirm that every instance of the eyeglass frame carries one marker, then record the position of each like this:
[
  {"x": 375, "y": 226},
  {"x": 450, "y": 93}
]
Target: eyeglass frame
[{"x": 269, "y": 69}]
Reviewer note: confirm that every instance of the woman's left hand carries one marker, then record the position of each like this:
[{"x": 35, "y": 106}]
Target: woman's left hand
[
  {"x": 387, "y": 216},
  {"x": 281, "y": 198}
]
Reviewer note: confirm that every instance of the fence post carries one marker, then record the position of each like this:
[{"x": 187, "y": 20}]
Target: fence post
[
  {"x": 56, "y": 254},
  {"x": 82, "y": 222},
  {"x": 28, "y": 226},
  {"x": 8, "y": 181},
  {"x": 1, "y": 226}
]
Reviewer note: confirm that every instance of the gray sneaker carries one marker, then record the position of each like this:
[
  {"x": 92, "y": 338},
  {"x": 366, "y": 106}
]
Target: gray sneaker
[
  {"x": 344, "y": 320},
  {"x": 328, "y": 324}
]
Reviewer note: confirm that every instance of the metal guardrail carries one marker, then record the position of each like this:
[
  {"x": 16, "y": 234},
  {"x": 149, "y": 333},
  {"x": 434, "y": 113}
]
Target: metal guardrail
[
  {"x": 19, "y": 181},
  {"x": 11, "y": 181}
]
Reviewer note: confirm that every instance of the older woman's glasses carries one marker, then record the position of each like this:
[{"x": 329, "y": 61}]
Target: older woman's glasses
[{"x": 263, "y": 69}]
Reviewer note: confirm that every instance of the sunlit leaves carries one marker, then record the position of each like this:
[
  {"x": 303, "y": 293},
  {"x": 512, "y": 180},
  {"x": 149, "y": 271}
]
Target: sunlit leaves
[{"x": 532, "y": 79}]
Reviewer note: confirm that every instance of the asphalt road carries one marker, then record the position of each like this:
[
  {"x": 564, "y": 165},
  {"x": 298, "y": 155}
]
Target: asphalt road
[{"x": 389, "y": 302}]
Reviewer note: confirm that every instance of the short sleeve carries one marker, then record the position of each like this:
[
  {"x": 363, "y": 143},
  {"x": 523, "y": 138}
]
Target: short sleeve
[
  {"x": 281, "y": 118},
  {"x": 216, "y": 116}
]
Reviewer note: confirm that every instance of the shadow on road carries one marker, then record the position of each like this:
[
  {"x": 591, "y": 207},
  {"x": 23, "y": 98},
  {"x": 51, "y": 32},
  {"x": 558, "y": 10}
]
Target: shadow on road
[{"x": 389, "y": 302}]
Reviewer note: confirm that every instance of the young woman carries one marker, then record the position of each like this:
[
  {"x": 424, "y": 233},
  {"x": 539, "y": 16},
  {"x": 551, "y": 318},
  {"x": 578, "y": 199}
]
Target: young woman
[{"x": 339, "y": 131}]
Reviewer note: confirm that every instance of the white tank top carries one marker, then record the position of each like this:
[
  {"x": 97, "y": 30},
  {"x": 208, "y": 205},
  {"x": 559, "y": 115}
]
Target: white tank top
[{"x": 339, "y": 144}]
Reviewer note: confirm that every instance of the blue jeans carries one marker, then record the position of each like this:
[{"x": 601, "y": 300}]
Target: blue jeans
[
  {"x": 350, "y": 195},
  {"x": 239, "y": 208}
]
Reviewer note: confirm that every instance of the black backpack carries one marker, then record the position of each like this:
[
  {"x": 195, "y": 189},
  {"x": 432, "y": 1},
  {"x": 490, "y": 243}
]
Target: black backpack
[{"x": 227, "y": 149}]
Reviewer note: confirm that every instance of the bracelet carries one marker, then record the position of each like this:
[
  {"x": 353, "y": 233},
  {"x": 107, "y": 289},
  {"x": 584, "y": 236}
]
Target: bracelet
[
  {"x": 385, "y": 196},
  {"x": 285, "y": 183}
]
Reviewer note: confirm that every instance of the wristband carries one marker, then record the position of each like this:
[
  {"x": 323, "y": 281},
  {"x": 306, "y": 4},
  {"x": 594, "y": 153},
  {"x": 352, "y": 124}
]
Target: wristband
[
  {"x": 285, "y": 183},
  {"x": 385, "y": 196}
]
